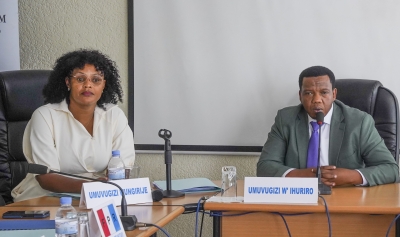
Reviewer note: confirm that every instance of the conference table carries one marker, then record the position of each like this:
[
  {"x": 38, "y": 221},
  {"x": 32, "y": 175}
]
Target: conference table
[
  {"x": 159, "y": 213},
  {"x": 354, "y": 211},
  {"x": 156, "y": 214}
]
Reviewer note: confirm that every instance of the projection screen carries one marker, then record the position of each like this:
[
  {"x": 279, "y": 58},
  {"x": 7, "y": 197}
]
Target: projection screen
[{"x": 215, "y": 72}]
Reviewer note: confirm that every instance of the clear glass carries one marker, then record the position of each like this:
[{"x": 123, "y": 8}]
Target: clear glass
[
  {"x": 229, "y": 186},
  {"x": 134, "y": 172},
  {"x": 83, "y": 224}
]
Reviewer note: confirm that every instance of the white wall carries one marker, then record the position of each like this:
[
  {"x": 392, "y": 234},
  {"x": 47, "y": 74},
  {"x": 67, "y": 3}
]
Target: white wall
[{"x": 49, "y": 28}]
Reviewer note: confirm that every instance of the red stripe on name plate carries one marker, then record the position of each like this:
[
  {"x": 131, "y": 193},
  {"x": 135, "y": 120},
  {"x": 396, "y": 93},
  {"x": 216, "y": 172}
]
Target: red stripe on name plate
[{"x": 103, "y": 222}]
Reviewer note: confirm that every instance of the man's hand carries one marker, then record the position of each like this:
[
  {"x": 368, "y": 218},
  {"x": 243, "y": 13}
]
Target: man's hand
[{"x": 332, "y": 176}]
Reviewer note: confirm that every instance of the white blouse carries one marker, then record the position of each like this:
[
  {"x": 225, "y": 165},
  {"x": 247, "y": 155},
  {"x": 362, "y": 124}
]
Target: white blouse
[{"x": 54, "y": 138}]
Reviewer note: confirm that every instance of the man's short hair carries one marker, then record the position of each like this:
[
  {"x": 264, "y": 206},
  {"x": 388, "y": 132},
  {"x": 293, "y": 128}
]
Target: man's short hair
[{"x": 316, "y": 71}]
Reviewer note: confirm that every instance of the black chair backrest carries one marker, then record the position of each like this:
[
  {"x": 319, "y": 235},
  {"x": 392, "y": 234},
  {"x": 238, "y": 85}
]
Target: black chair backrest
[
  {"x": 20, "y": 95},
  {"x": 371, "y": 97}
]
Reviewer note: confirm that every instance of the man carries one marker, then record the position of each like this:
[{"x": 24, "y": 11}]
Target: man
[{"x": 352, "y": 151}]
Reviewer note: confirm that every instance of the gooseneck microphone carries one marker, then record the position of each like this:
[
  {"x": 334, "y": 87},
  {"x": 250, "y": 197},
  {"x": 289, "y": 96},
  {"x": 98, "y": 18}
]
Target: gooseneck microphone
[
  {"x": 128, "y": 221},
  {"x": 323, "y": 189}
]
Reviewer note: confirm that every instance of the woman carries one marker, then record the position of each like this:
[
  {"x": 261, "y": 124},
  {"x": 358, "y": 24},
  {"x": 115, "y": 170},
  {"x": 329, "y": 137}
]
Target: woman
[{"x": 79, "y": 126}]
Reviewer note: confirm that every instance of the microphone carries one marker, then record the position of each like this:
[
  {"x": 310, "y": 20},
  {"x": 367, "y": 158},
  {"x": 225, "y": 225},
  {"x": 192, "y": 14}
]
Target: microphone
[
  {"x": 169, "y": 193},
  {"x": 128, "y": 221},
  {"x": 157, "y": 195},
  {"x": 323, "y": 189}
]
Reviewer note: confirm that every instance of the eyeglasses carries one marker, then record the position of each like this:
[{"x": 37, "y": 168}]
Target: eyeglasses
[{"x": 82, "y": 78}]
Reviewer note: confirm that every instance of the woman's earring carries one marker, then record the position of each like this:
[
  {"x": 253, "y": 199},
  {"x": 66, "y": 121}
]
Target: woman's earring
[{"x": 69, "y": 89}]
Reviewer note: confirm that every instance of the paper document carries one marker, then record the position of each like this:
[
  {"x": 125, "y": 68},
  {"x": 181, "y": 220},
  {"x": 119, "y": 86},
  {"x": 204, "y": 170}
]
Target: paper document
[{"x": 190, "y": 185}]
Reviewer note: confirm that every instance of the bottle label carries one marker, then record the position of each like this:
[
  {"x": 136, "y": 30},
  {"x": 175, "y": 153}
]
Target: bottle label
[
  {"x": 66, "y": 227},
  {"x": 116, "y": 173}
]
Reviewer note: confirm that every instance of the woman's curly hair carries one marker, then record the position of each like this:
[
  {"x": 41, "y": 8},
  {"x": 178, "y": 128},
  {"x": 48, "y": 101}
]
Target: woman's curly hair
[{"x": 56, "y": 90}]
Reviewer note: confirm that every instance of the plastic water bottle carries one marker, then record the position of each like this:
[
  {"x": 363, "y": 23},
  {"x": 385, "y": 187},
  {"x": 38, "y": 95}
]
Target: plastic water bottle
[
  {"x": 66, "y": 219},
  {"x": 116, "y": 167}
]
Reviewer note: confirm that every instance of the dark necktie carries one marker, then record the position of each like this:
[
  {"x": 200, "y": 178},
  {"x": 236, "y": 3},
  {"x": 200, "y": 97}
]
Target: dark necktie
[{"x": 312, "y": 156}]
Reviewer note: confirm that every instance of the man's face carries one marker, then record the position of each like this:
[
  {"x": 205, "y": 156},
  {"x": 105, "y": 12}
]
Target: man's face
[{"x": 316, "y": 95}]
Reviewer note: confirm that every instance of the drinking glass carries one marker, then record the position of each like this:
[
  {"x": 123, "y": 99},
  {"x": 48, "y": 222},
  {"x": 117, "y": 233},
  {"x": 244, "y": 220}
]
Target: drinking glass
[
  {"x": 228, "y": 187},
  {"x": 134, "y": 172}
]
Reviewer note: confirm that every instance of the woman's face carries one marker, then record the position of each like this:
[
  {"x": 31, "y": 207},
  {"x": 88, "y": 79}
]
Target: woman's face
[{"x": 86, "y": 86}]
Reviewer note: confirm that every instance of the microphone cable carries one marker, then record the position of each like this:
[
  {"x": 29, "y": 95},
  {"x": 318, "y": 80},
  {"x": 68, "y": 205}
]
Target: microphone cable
[
  {"x": 282, "y": 215},
  {"x": 284, "y": 221},
  {"x": 327, "y": 215},
  {"x": 202, "y": 220},
  {"x": 391, "y": 224},
  {"x": 204, "y": 199},
  {"x": 139, "y": 224},
  {"x": 197, "y": 215}
]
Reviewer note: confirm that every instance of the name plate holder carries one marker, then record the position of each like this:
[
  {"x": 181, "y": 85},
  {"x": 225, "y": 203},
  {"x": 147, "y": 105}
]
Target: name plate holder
[
  {"x": 279, "y": 190},
  {"x": 95, "y": 193}
]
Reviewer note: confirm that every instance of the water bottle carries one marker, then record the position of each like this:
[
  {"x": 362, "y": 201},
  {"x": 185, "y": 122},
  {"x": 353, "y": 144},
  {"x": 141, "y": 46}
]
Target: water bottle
[
  {"x": 66, "y": 219},
  {"x": 116, "y": 167}
]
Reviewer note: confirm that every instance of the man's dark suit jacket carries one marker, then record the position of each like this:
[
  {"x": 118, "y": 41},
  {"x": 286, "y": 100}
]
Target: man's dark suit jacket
[{"x": 354, "y": 143}]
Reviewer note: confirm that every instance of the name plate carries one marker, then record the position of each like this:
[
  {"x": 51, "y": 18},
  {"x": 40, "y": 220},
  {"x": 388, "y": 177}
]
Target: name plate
[
  {"x": 280, "y": 190},
  {"x": 108, "y": 222},
  {"x": 95, "y": 193}
]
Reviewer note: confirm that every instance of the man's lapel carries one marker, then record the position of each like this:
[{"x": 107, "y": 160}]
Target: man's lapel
[
  {"x": 338, "y": 126},
  {"x": 302, "y": 137}
]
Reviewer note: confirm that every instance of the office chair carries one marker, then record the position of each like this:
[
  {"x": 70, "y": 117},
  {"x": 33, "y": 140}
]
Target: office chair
[
  {"x": 371, "y": 97},
  {"x": 20, "y": 95}
]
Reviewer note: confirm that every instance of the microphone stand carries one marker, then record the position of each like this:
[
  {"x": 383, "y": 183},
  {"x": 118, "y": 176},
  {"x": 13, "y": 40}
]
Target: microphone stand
[
  {"x": 166, "y": 135},
  {"x": 323, "y": 189},
  {"x": 128, "y": 221}
]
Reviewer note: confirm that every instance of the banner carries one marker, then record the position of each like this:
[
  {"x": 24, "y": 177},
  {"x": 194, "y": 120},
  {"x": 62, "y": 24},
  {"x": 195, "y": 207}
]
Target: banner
[{"x": 9, "y": 35}]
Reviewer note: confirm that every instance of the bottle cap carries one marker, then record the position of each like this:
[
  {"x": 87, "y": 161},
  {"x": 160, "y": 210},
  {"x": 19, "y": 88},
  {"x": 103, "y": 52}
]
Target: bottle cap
[
  {"x": 65, "y": 200},
  {"x": 115, "y": 153}
]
